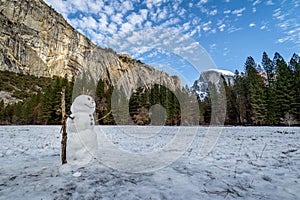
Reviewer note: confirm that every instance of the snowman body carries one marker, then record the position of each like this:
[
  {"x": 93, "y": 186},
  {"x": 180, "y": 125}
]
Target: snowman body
[{"x": 82, "y": 139}]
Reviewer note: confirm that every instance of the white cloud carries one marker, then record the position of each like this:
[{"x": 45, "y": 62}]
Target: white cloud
[
  {"x": 227, "y": 12},
  {"x": 109, "y": 10},
  {"x": 181, "y": 12},
  {"x": 213, "y": 12},
  {"x": 256, "y": 2},
  {"x": 291, "y": 32},
  {"x": 254, "y": 10},
  {"x": 94, "y": 6},
  {"x": 278, "y": 15},
  {"x": 233, "y": 29},
  {"x": 103, "y": 21},
  {"x": 162, "y": 14},
  {"x": 134, "y": 19},
  {"x": 282, "y": 40},
  {"x": 252, "y": 25},
  {"x": 225, "y": 51},
  {"x": 206, "y": 26},
  {"x": 284, "y": 25},
  {"x": 238, "y": 12},
  {"x": 288, "y": 22},
  {"x": 86, "y": 23},
  {"x": 212, "y": 47},
  {"x": 153, "y": 3},
  {"x": 270, "y": 3},
  {"x": 171, "y": 22},
  {"x": 203, "y": 1},
  {"x": 194, "y": 31},
  {"x": 222, "y": 27},
  {"x": 112, "y": 28},
  {"x": 126, "y": 6},
  {"x": 126, "y": 28},
  {"x": 186, "y": 26},
  {"x": 117, "y": 18},
  {"x": 263, "y": 27}
]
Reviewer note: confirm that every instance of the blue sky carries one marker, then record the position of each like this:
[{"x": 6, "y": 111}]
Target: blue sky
[{"x": 185, "y": 37}]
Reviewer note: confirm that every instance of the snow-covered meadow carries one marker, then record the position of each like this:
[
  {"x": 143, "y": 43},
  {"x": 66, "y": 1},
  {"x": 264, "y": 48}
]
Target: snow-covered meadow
[{"x": 245, "y": 163}]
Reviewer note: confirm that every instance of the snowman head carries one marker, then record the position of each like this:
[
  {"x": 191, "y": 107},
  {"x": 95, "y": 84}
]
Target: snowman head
[{"x": 83, "y": 103}]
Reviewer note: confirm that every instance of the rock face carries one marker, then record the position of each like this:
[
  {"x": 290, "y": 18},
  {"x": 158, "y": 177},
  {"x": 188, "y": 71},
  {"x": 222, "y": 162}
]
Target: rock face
[
  {"x": 35, "y": 39},
  {"x": 200, "y": 86}
]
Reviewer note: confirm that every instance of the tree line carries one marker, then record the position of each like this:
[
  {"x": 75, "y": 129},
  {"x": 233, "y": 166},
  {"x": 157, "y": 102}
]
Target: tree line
[{"x": 264, "y": 94}]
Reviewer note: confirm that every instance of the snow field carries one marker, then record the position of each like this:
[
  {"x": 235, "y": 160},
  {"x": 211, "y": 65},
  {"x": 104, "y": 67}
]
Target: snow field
[{"x": 246, "y": 163}]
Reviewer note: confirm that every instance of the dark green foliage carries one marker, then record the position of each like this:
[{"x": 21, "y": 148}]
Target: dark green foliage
[
  {"x": 120, "y": 107},
  {"x": 285, "y": 93},
  {"x": 256, "y": 111},
  {"x": 40, "y": 99},
  {"x": 240, "y": 92},
  {"x": 144, "y": 98},
  {"x": 103, "y": 101},
  {"x": 268, "y": 96},
  {"x": 295, "y": 66}
]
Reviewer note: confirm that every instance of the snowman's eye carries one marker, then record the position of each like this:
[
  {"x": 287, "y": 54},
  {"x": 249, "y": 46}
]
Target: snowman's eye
[{"x": 89, "y": 98}]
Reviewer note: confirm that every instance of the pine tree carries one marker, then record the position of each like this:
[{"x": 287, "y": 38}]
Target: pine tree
[
  {"x": 2, "y": 109},
  {"x": 295, "y": 66},
  {"x": 241, "y": 92},
  {"x": 256, "y": 97},
  {"x": 103, "y": 96},
  {"x": 284, "y": 88},
  {"x": 121, "y": 112},
  {"x": 231, "y": 114},
  {"x": 269, "y": 68}
]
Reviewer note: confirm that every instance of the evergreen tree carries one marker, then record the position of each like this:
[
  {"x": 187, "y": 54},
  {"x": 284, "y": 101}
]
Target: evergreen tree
[
  {"x": 256, "y": 96},
  {"x": 2, "y": 109},
  {"x": 103, "y": 101},
  {"x": 242, "y": 98},
  {"x": 295, "y": 66},
  {"x": 231, "y": 114},
  {"x": 284, "y": 88},
  {"x": 121, "y": 112},
  {"x": 269, "y": 68}
]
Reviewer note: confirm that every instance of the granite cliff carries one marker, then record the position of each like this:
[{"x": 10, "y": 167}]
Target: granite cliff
[
  {"x": 200, "y": 86},
  {"x": 36, "y": 40}
]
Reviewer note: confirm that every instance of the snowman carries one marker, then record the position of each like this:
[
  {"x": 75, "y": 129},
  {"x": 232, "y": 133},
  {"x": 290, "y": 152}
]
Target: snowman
[{"x": 82, "y": 139}]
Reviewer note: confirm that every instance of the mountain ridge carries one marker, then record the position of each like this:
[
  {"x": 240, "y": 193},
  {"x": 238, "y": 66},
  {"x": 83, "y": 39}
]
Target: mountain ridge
[{"x": 37, "y": 40}]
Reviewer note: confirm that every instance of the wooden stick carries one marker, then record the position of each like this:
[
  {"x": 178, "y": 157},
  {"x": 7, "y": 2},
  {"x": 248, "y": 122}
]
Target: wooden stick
[
  {"x": 105, "y": 115},
  {"x": 64, "y": 128}
]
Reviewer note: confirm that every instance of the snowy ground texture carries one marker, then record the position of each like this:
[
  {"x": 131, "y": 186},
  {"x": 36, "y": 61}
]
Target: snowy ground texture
[{"x": 246, "y": 163}]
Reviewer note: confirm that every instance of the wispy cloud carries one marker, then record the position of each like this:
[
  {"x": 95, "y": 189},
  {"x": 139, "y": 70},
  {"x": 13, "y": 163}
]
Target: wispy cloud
[
  {"x": 212, "y": 47},
  {"x": 238, "y": 12},
  {"x": 256, "y": 2},
  {"x": 288, "y": 22},
  {"x": 119, "y": 24},
  {"x": 270, "y": 3}
]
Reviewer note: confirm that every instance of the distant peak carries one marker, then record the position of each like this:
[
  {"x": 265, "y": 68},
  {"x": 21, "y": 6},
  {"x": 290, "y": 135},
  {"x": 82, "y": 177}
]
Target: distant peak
[{"x": 224, "y": 72}]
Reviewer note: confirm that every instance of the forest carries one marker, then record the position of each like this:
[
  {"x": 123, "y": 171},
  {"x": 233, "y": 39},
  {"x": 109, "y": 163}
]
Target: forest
[{"x": 267, "y": 93}]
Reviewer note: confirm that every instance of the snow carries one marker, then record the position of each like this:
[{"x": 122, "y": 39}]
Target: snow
[
  {"x": 211, "y": 75},
  {"x": 224, "y": 72},
  {"x": 82, "y": 141},
  {"x": 247, "y": 162}
]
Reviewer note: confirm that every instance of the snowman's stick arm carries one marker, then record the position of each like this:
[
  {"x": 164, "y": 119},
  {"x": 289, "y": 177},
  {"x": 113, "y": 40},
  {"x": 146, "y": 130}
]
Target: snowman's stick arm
[{"x": 105, "y": 115}]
